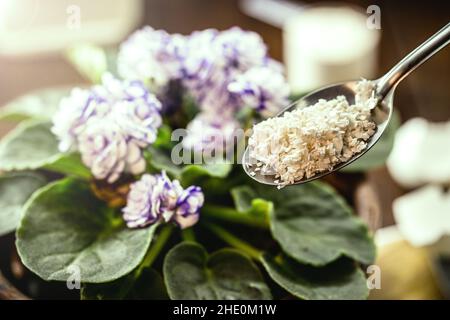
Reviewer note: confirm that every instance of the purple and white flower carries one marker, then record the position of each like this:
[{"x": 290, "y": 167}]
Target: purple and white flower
[
  {"x": 261, "y": 88},
  {"x": 202, "y": 76},
  {"x": 109, "y": 124},
  {"x": 214, "y": 58},
  {"x": 188, "y": 207},
  {"x": 139, "y": 114},
  {"x": 74, "y": 111},
  {"x": 205, "y": 63},
  {"x": 156, "y": 198},
  {"x": 153, "y": 56},
  {"x": 225, "y": 71},
  {"x": 140, "y": 211},
  {"x": 199, "y": 61},
  {"x": 237, "y": 49},
  {"x": 208, "y": 132},
  {"x": 104, "y": 148}
]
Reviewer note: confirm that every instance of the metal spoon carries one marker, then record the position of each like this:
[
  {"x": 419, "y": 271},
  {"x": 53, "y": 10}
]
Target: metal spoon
[{"x": 381, "y": 115}]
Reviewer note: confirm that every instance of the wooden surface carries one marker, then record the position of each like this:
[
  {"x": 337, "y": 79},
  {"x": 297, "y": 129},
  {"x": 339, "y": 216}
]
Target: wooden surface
[{"x": 8, "y": 292}]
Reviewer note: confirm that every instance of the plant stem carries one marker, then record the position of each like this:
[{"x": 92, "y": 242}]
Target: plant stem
[
  {"x": 156, "y": 248},
  {"x": 234, "y": 241},
  {"x": 231, "y": 215},
  {"x": 188, "y": 235}
]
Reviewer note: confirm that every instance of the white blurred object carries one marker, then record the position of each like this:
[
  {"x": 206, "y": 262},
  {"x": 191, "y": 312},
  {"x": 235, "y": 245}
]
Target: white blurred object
[
  {"x": 421, "y": 153},
  {"x": 328, "y": 44},
  {"x": 423, "y": 216},
  {"x": 273, "y": 12},
  {"x": 387, "y": 235},
  {"x": 39, "y": 26}
]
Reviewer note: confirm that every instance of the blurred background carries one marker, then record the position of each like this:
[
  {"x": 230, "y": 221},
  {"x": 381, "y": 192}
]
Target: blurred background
[{"x": 319, "y": 42}]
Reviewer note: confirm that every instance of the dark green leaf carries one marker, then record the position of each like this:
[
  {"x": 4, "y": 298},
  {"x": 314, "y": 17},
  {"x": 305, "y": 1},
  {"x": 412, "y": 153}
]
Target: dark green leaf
[
  {"x": 190, "y": 108},
  {"x": 243, "y": 197},
  {"x": 15, "y": 189},
  {"x": 260, "y": 208},
  {"x": 191, "y": 274},
  {"x": 314, "y": 225},
  {"x": 31, "y": 145},
  {"x": 339, "y": 280},
  {"x": 41, "y": 104},
  {"x": 160, "y": 160},
  {"x": 145, "y": 285},
  {"x": 247, "y": 202},
  {"x": 378, "y": 154},
  {"x": 64, "y": 227},
  {"x": 193, "y": 173}
]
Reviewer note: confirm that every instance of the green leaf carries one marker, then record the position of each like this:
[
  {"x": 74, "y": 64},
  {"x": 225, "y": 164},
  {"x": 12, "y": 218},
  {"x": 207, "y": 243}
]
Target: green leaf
[
  {"x": 163, "y": 140},
  {"x": 148, "y": 285},
  {"x": 15, "y": 189},
  {"x": 247, "y": 203},
  {"x": 40, "y": 104},
  {"x": 90, "y": 61},
  {"x": 378, "y": 154},
  {"x": 243, "y": 197},
  {"x": 191, "y": 274},
  {"x": 65, "y": 227},
  {"x": 193, "y": 173},
  {"x": 111, "y": 60},
  {"x": 158, "y": 155},
  {"x": 70, "y": 164},
  {"x": 31, "y": 145},
  {"x": 314, "y": 225},
  {"x": 261, "y": 209},
  {"x": 190, "y": 107},
  {"x": 338, "y": 280},
  {"x": 159, "y": 160}
]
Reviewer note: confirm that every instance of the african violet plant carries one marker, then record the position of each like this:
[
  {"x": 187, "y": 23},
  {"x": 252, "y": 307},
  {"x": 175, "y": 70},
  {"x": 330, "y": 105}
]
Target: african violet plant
[{"x": 91, "y": 184}]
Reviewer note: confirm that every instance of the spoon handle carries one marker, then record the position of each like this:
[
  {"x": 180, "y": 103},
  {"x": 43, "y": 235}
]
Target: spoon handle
[{"x": 414, "y": 59}]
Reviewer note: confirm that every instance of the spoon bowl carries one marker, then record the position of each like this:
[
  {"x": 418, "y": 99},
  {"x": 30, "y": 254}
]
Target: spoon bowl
[{"x": 380, "y": 115}]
